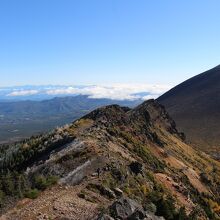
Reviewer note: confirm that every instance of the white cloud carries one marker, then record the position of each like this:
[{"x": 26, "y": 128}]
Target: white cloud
[
  {"x": 23, "y": 93},
  {"x": 147, "y": 97},
  {"x": 115, "y": 91},
  {"x": 63, "y": 91}
]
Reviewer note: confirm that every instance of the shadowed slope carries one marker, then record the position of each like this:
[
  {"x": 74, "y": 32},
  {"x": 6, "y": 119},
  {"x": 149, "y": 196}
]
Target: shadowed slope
[{"x": 195, "y": 106}]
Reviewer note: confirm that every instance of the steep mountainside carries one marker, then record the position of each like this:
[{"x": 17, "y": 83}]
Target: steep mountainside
[
  {"x": 114, "y": 163},
  {"x": 21, "y": 119},
  {"x": 195, "y": 105}
]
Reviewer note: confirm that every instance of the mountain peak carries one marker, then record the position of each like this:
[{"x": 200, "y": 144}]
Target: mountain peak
[
  {"x": 148, "y": 114},
  {"x": 107, "y": 113},
  {"x": 217, "y": 67}
]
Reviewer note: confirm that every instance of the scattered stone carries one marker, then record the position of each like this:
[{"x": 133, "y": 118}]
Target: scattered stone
[
  {"x": 81, "y": 195},
  {"x": 108, "y": 192},
  {"x": 105, "y": 217},
  {"x": 139, "y": 214},
  {"x": 55, "y": 208},
  {"x": 45, "y": 217},
  {"x": 103, "y": 190},
  {"x": 176, "y": 187},
  {"x": 118, "y": 192},
  {"x": 151, "y": 216},
  {"x": 94, "y": 174}
]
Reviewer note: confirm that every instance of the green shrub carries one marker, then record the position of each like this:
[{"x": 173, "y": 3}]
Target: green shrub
[
  {"x": 51, "y": 180},
  {"x": 41, "y": 183},
  {"x": 1, "y": 198},
  {"x": 32, "y": 194},
  {"x": 181, "y": 215},
  {"x": 166, "y": 208},
  {"x": 149, "y": 158}
]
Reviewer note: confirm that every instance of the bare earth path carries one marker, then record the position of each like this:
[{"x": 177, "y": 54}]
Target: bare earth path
[{"x": 60, "y": 202}]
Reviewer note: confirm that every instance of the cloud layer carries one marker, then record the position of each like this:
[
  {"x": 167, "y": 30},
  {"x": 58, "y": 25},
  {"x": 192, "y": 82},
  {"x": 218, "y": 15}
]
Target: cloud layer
[
  {"x": 23, "y": 93},
  {"x": 116, "y": 91}
]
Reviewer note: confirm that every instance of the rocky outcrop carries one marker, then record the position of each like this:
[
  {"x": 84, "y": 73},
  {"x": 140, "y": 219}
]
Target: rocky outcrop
[
  {"x": 151, "y": 113},
  {"x": 126, "y": 208},
  {"x": 109, "y": 114},
  {"x": 142, "y": 120}
]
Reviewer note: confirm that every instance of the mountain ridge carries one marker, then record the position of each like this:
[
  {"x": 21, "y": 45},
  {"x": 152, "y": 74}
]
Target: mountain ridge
[{"x": 109, "y": 158}]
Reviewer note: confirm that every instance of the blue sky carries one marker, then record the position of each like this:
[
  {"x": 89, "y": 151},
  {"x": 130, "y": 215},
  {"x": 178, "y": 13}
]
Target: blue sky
[{"x": 107, "y": 41}]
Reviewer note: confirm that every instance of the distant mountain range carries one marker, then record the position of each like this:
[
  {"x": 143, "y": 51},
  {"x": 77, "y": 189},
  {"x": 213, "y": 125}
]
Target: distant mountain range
[
  {"x": 28, "y": 110},
  {"x": 195, "y": 106},
  {"x": 20, "y": 119}
]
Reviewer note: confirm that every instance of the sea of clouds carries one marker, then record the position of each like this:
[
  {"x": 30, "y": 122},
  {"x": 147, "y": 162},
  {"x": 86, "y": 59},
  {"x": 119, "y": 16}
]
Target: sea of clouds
[{"x": 114, "y": 91}]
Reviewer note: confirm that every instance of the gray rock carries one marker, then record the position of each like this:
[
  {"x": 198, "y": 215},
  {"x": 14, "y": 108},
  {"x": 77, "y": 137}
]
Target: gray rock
[
  {"x": 126, "y": 208},
  {"x": 151, "y": 216},
  {"x": 150, "y": 207},
  {"x": 105, "y": 191},
  {"x": 118, "y": 192},
  {"x": 123, "y": 208},
  {"x": 139, "y": 214},
  {"x": 105, "y": 217},
  {"x": 108, "y": 192}
]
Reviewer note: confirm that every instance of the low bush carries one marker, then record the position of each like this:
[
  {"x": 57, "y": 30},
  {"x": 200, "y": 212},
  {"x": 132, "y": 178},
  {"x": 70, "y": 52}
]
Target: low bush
[
  {"x": 41, "y": 182},
  {"x": 32, "y": 194}
]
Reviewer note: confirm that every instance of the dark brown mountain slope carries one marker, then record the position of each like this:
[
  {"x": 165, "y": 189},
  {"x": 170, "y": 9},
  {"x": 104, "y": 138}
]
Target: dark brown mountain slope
[{"x": 195, "y": 106}]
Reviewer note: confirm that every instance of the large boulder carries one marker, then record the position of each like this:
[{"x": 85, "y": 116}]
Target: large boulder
[
  {"x": 128, "y": 209},
  {"x": 123, "y": 208},
  {"x": 137, "y": 215}
]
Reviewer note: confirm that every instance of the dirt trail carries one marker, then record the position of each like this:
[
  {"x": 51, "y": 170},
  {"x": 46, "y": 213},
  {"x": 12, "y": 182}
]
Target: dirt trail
[{"x": 61, "y": 201}]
